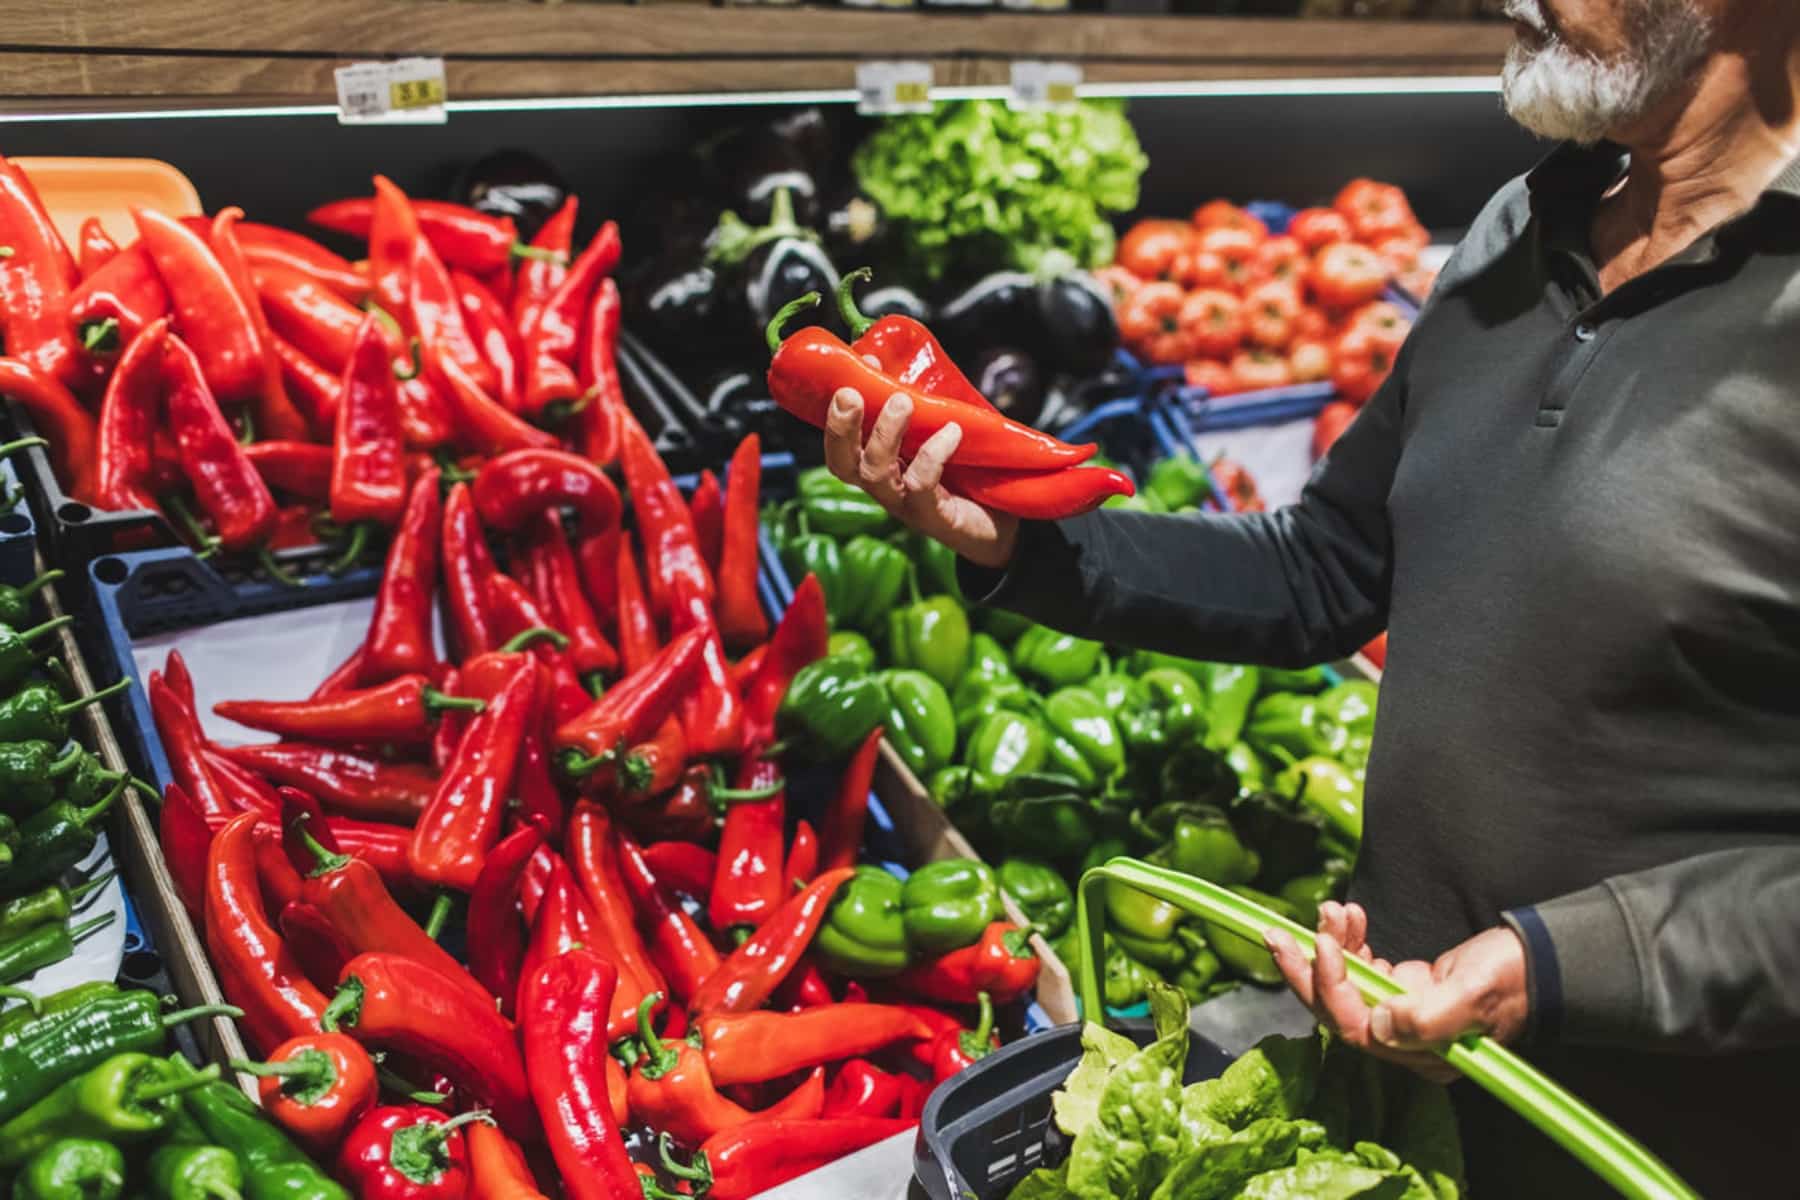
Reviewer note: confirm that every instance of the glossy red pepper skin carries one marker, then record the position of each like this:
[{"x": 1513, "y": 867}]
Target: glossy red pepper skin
[
  {"x": 462, "y": 821},
  {"x": 208, "y": 311},
  {"x": 738, "y": 608},
  {"x": 126, "y": 290},
  {"x": 756, "y": 968},
  {"x": 35, "y": 282},
  {"x": 467, "y": 566},
  {"x": 275, "y": 414},
  {"x": 593, "y": 852},
  {"x": 565, "y": 919},
  {"x": 567, "y": 1052},
  {"x": 540, "y": 800},
  {"x": 408, "y": 1007},
  {"x": 368, "y": 466},
  {"x": 319, "y": 1086},
  {"x": 515, "y": 487},
  {"x": 182, "y": 834},
  {"x": 301, "y": 469},
  {"x": 256, "y": 971},
  {"x": 748, "y": 1047},
  {"x": 655, "y": 766},
  {"x": 841, "y": 839},
  {"x": 554, "y": 336},
  {"x": 399, "y": 641},
  {"x": 671, "y": 549},
  {"x": 1039, "y": 495},
  {"x": 599, "y": 377},
  {"x": 706, "y": 508},
  {"x": 638, "y": 642},
  {"x": 588, "y": 649},
  {"x": 1001, "y": 963},
  {"x": 397, "y": 711},
  {"x": 492, "y": 330},
  {"x": 683, "y": 865},
  {"x": 799, "y": 638},
  {"x": 461, "y": 236},
  {"x": 803, "y": 857},
  {"x": 58, "y": 417},
  {"x": 437, "y": 316},
  {"x": 496, "y": 939},
  {"x": 956, "y": 1049},
  {"x": 247, "y": 791},
  {"x": 179, "y": 728},
  {"x": 314, "y": 941},
  {"x": 95, "y": 247},
  {"x": 130, "y": 412},
  {"x": 226, "y": 484},
  {"x": 513, "y": 607},
  {"x": 911, "y": 353},
  {"x": 393, "y": 232},
  {"x": 677, "y": 945},
  {"x": 344, "y": 782},
  {"x": 712, "y": 716},
  {"x": 498, "y": 1167},
  {"x": 751, "y": 883},
  {"x": 754, "y": 1158},
  {"x": 315, "y": 319},
  {"x": 381, "y": 1160},
  {"x": 538, "y": 275},
  {"x": 862, "y": 1089},
  {"x": 630, "y": 712}
]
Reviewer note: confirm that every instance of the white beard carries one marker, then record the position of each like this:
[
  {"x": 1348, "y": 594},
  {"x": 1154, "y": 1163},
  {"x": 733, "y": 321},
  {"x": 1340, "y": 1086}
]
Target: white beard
[{"x": 1557, "y": 91}]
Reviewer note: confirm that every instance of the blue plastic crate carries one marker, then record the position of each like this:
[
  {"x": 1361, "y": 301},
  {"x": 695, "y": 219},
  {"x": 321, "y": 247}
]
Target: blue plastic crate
[{"x": 18, "y": 530}]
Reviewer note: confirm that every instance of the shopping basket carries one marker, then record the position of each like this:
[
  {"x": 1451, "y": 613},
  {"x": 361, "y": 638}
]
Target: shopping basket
[{"x": 990, "y": 1125}]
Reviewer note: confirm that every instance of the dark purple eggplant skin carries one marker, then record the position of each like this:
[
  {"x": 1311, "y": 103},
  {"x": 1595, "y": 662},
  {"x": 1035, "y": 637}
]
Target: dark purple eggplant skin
[
  {"x": 894, "y": 301},
  {"x": 1011, "y": 381},
  {"x": 1064, "y": 321},
  {"x": 516, "y": 184},
  {"x": 1077, "y": 315}
]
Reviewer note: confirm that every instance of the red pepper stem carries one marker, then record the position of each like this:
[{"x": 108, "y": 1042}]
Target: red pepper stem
[
  {"x": 359, "y": 540},
  {"x": 104, "y": 693},
  {"x": 788, "y": 311},
  {"x": 313, "y": 1071},
  {"x": 576, "y": 764},
  {"x": 699, "y": 1171},
  {"x": 528, "y": 637},
  {"x": 975, "y": 1044},
  {"x": 440, "y": 913},
  {"x": 417, "y": 1151},
  {"x": 539, "y": 253},
  {"x": 662, "y": 1059},
  {"x": 436, "y": 701},
  {"x": 38, "y": 631},
  {"x": 418, "y": 364},
  {"x": 183, "y": 1016},
  {"x": 853, "y": 317},
  {"x": 100, "y": 337},
  {"x": 324, "y": 861},
  {"x": 345, "y": 1007},
  {"x": 276, "y": 571},
  {"x": 174, "y": 1087},
  {"x": 397, "y": 1083}
]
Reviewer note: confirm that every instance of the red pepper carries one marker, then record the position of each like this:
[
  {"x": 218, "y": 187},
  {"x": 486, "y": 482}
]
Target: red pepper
[
  {"x": 182, "y": 739},
  {"x": 539, "y": 274},
  {"x": 842, "y": 837},
  {"x": 492, "y": 330},
  {"x": 638, "y": 642},
  {"x": 738, "y": 609},
  {"x": 750, "y": 885},
  {"x": 368, "y": 468},
  {"x": 803, "y": 857},
  {"x": 495, "y": 939},
  {"x": 516, "y": 486},
  {"x": 566, "y": 919},
  {"x": 401, "y": 710},
  {"x": 748, "y": 1047},
  {"x": 390, "y": 1001},
  {"x": 685, "y": 866},
  {"x": 913, "y": 1094},
  {"x": 955, "y": 1049},
  {"x": 745, "y": 668},
  {"x": 96, "y": 247},
  {"x": 754, "y": 1158},
  {"x": 862, "y": 1089},
  {"x": 407, "y": 1152},
  {"x": 462, "y": 237},
  {"x": 712, "y": 716},
  {"x": 256, "y": 971},
  {"x": 552, "y": 339},
  {"x": 588, "y": 650},
  {"x": 182, "y": 833},
  {"x": 130, "y": 413},
  {"x": 671, "y": 551},
  {"x": 812, "y": 365},
  {"x": 756, "y": 968},
  {"x": 208, "y": 311},
  {"x": 225, "y": 482},
  {"x": 482, "y": 423},
  {"x": 497, "y": 1166},
  {"x": 114, "y": 304},
  {"x": 393, "y": 233},
  {"x": 247, "y": 791},
  {"x": 514, "y": 609},
  {"x": 567, "y": 1052},
  {"x": 677, "y": 946},
  {"x": 593, "y": 852},
  {"x": 462, "y": 821},
  {"x": 706, "y": 507},
  {"x": 1039, "y": 495},
  {"x": 276, "y": 877},
  {"x": 540, "y": 800},
  {"x": 35, "y": 281},
  {"x": 799, "y": 639},
  {"x": 805, "y": 988},
  {"x": 317, "y": 320},
  {"x": 437, "y": 317},
  {"x": 399, "y": 641},
  {"x": 55, "y": 414},
  {"x": 653, "y": 767},
  {"x": 346, "y": 783},
  {"x": 274, "y": 414},
  {"x": 315, "y": 1086},
  {"x": 904, "y": 348},
  {"x": 467, "y": 566},
  {"x": 381, "y": 846},
  {"x": 302, "y": 468},
  {"x": 1002, "y": 963},
  {"x": 599, "y": 377},
  {"x": 592, "y": 742},
  {"x": 314, "y": 941}
]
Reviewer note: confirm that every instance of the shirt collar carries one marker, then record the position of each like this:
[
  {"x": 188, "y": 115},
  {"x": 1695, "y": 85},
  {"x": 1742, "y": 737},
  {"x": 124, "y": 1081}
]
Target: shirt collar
[{"x": 1583, "y": 172}]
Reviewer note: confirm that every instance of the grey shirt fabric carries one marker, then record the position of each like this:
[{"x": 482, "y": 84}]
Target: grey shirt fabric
[{"x": 1579, "y": 518}]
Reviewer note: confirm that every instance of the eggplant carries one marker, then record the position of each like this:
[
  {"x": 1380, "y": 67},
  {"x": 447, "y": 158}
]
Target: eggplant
[
  {"x": 739, "y": 399},
  {"x": 1063, "y": 320},
  {"x": 1078, "y": 320},
  {"x": 516, "y": 184},
  {"x": 894, "y": 301},
  {"x": 768, "y": 268},
  {"x": 752, "y": 164},
  {"x": 998, "y": 310},
  {"x": 1011, "y": 381},
  {"x": 675, "y": 305}
]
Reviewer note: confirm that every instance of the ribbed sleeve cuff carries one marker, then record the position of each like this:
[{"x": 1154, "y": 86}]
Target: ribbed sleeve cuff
[{"x": 1585, "y": 977}]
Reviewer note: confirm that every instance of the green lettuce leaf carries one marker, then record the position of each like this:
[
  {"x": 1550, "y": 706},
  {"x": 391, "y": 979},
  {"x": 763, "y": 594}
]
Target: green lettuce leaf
[
  {"x": 1042, "y": 1184},
  {"x": 1275, "y": 1078},
  {"x": 1221, "y": 1167},
  {"x": 1078, "y": 1102},
  {"x": 1324, "y": 1177},
  {"x": 1123, "y": 1153}
]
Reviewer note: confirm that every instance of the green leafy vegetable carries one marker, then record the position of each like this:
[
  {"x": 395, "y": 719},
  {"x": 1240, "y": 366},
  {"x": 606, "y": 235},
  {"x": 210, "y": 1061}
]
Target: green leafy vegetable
[
  {"x": 1324, "y": 1177},
  {"x": 1043, "y": 1184},
  {"x": 1078, "y": 1103},
  {"x": 1124, "y": 1152},
  {"x": 1222, "y": 1167}
]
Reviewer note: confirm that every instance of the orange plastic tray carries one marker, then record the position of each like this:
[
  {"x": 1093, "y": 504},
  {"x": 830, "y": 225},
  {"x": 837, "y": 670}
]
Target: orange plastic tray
[{"x": 75, "y": 189}]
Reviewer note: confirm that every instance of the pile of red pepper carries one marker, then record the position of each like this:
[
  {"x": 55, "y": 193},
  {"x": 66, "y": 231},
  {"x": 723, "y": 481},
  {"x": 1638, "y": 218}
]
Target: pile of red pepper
[
  {"x": 589, "y": 780},
  {"x": 250, "y": 384}
]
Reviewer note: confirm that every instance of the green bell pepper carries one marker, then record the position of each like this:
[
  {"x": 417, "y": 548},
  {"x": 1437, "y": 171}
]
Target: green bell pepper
[
  {"x": 194, "y": 1173},
  {"x": 1007, "y": 744},
  {"x": 1047, "y": 815},
  {"x": 920, "y": 723},
  {"x": 1326, "y": 786},
  {"x": 988, "y": 659},
  {"x": 1200, "y": 841},
  {"x": 976, "y": 700},
  {"x": 1127, "y": 980},
  {"x": 839, "y": 509},
  {"x": 864, "y": 933},
  {"x": 1351, "y": 705},
  {"x": 808, "y": 553},
  {"x": 29, "y": 772},
  {"x": 1103, "y": 852},
  {"x": 1248, "y": 959},
  {"x": 1112, "y": 687},
  {"x": 1144, "y": 925},
  {"x": 1247, "y": 765},
  {"x": 1293, "y": 725},
  {"x": 874, "y": 574},
  {"x": 1197, "y": 974},
  {"x": 1058, "y": 659},
  {"x": 1079, "y": 716},
  {"x": 73, "y": 1169},
  {"x": 124, "y": 1099},
  {"x": 947, "y": 904},
  {"x": 1195, "y": 775},
  {"x": 1065, "y": 758},
  {"x": 1230, "y": 691},
  {"x": 1355, "y": 754},
  {"x": 1006, "y": 627},
  {"x": 1306, "y": 892},
  {"x": 848, "y": 644},
  {"x": 1144, "y": 661},
  {"x": 1041, "y": 893},
  {"x": 937, "y": 563},
  {"x": 1144, "y": 502},
  {"x": 830, "y": 707},
  {"x": 955, "y": 789},
  {"x": 1308, "y": 681},
  {"x": 930, "y": 636},
  {"x": 1166, "y": 709},
  {"x": 1178, "y": 481},
  {"x": 1290, "y": 840}
]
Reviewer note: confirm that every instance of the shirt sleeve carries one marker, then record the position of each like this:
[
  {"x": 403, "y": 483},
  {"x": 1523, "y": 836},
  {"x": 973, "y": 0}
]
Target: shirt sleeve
[{"x": 1698, "y": 955}]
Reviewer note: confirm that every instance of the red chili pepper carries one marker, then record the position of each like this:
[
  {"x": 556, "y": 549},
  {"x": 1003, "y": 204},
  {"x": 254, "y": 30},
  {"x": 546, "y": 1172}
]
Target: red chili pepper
[
  {"x": 276, "y": 878},
  {"x": 393, "y": 232},
  {"x": 401, "y": 710},
  {"x": 225, "y": 483},
  {"x": 799, "y": 639},
  {"x": 246, "y": 790},
  {"x": 653, "y": 767},
  {"x": 495, "y": 938},
  {"x": 347, "y": 783},
  {"x": 514, "y": 609},
  {"x": 748, "y": 1047},
  {"x": 130, "y": 413},
  {"x": 302, "y": 468},
  {"x": 566, "y": 919},
  {"x": 55, "y": 414},
  {"x": 342, "y": 678},
  {"x": 540, "y": 800},
  {"x": 958, "y": 1048},
  {"x": 745, "y": 668},
  {"x": 552, "y": 339},
  {"x": 314, "y": 318},
  {"x": 368, "y": 468},
  {"x": 706, "y": 507},
  {"x": 750, "y": 885},
  {"x": 114, "y": 304},
  {"x": 498, "y": 1170},
  {"x": 516, "y": 486},
  {"x": 462, "y": 821},
  {"x": 427, "y": 419},
  {"x": 96, "y": 247},
  {"x": 685, "y": 866},
  {"x": 182, "y": 833},
  {"x": 462, "y": 236},
  {"x": 1039, "y": 495},
  {"x": 316, "y": 1087},
  {"x": 712, "y": 716},
  {"x": 390, "y": 1001},
  {"x": 381, "y": 846},
  {"x": 256, "y": 971},
  {"x": 1002, "y": 963},
  {"x": 842, "y": 836},
  {"x": 754, "y": 1158},
  {"x": 179, "y": 678},
  {"x": 805, "y": 988},
  {"x": 275, "y": 415},
  {"x": 904, "y": 348},
  {"x": 399, "y": 641},
  {"x": 738, "y": 609},
  {"x": 677, "y": 946},
  {"x": 407, "y": 1152},
  {"x": 756, "y": 968},
  {"x": 437, "y": 317},
  {"x": 208, "y": 311},
  {"x": 182, "y": 739},
  {"x": 599, "y": 376},
  {"x": 671, "y": 551},
  {"x": 592, "y": 742},
  {"x": 492, "y": 330},
  {"x": 862, "y": 1089},
  {"x": 803, "y": 857},
  {"x": 539, "y": 274},
  {"x": 588, "y": 650},
  {"x": 35, "y": 281},
  {"x": 567, "y": 1052},
  {"x": 451, "y": 725},
  {"x": 594, "y": 854},
  {"x": 913, "y": 1094},
  {"x": 638, "y": 642},
  {"x": 467, "y": 566}
]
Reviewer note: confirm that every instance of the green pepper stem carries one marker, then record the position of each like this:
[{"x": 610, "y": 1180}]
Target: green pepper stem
[
  {"x": 436, "y": 701},
  {"x": 31, "y": 1000},
  {"x": 787, "y": 312},
  {"x": 277, "y": 572},
  {"x": 207, "y": 542},
  {"x": 246, "y": 427},
  {"x": 662, "y": 1059},
  {"x": 287, "y": 1068},
  {"x": 68, "y": 762},
  {"x": 912, "y": 582},
  {"x": 576, "y": 764},
  {"x": 410, "y": 373},
  {"x": 48, "y": 577},
  {"x": 183, "y": 1016},
  {"x": 539, "y": 253},
  {"x": 345, "y": 1006},
  {"x": 91, "y": 885},
  {"x": 38, "y": 631},
  {"x": 88, "y": 929},
  {"x": 698, "y": 1171},
  {"x": 143, "y": 788},
  {"x": 857, "y": 323},
  {"x": 324, "y": 861},
  {"x": 384, "y": 316},
  {"x": 98, "y": 809},
  {"x": 104, "y": 693},
  {"x": 440, "y": 913},
  {"x": 595, "y": 683},
  {"x": 725, "y": 795},
  {"x": 976, "y": 1043},
  {"x": 395, "y": 1082},
  {"x": 174, "y": 1087},
  {"x": 7, "y": 451},
  {"x": 359, "y": 540},
  {"x": 446, "y": 1128},
  {"x": 528, "y": 637},
  {"x": 100, "y": 337}
]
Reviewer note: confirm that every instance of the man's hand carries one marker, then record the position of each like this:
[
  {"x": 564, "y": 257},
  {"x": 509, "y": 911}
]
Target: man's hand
[
  {"x": 1477, "y": 987},
  {"x": 978, "y": 534}
]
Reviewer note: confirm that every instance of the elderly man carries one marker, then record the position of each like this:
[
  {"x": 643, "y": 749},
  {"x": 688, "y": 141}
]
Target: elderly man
[{"x": 1576, "y": 506}]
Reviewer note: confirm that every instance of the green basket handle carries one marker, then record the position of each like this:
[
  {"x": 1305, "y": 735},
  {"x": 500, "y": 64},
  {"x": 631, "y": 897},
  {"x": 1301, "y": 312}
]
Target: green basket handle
[{"x": 1603, "y": 1147}]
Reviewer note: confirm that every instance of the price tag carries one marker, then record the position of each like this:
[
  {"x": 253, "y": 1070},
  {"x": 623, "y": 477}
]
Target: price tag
[
  {"x": 1044, "y": 84},
  {"x": 407, "y": 91},
  {"x": 886, "y": 88}
]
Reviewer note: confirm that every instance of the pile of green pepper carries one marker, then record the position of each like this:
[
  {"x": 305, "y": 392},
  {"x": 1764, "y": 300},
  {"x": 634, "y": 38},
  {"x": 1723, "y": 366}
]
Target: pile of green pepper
[{"x": 1053, "y": 754}]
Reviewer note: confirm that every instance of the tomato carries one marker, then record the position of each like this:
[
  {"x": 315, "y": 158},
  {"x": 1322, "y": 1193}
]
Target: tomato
[
  {"x": 1361, "y": 360},
  {"x": 1313, "y": 323},
  {"x": 1281, "y": 258},
  {"x": 1150, "y": 248},
  {"x": 1237, "y": 248},
  {"x": 1269, "y": 314},
  {"x": 1384, "y": 317},
  {"x": 1222, "y": 214},
  {"x": 1316, "y": 227},
  {"x": 1212, "y": 375},
  {"x": 1119, "y": 283},
  {"x": 1237, "y": 485},
  {"x": 1197, "y": 268},
  {"x": 1214, "y": 323},
  {"x": 1151, "y": 322},
  {"x": 1376, "y": 211},
  {"x": 1331, "y": 422},
  {"x": 1345, "y": 275},
  {"x": 1309, "y": 360},
  {"x": 1376, "y": 651},
  {"x": 1255, "y": 370}
]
